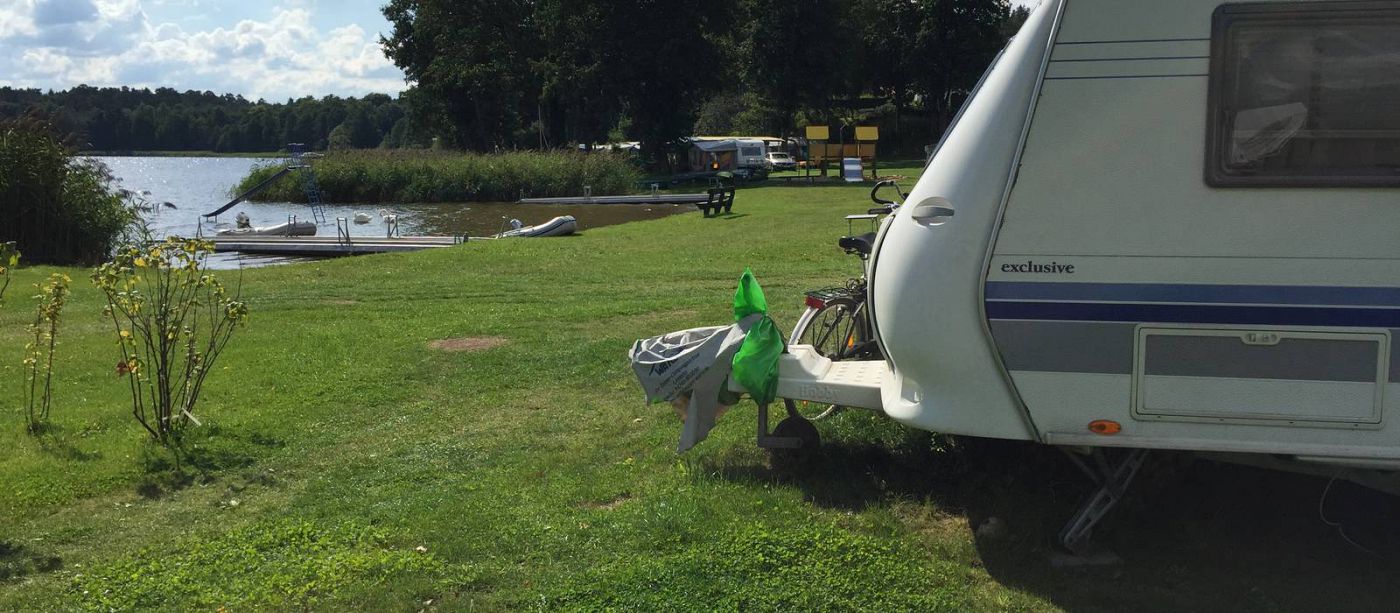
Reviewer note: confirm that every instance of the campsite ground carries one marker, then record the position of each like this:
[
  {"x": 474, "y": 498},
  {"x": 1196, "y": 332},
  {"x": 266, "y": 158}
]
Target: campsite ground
[{"x": 459, "y": 429}]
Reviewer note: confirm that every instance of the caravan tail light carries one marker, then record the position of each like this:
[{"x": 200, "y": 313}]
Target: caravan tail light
[{"x": 1105, "y": 426}]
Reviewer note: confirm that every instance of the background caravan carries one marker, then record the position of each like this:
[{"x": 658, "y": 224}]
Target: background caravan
[{"x": 1155, "y": 225}]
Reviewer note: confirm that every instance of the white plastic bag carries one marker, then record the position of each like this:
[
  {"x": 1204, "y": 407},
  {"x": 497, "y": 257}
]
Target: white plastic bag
[{"x": 690, "y": 364}]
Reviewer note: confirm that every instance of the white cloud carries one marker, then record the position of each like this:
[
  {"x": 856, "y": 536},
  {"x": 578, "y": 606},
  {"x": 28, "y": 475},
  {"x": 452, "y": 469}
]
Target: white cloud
[
  {"x": 62, "y": 43},
  {"x": 45, "y": 60},
  {"x": 16, "y": 19}
]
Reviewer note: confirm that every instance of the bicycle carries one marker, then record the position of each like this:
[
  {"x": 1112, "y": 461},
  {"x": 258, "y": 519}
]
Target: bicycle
[{"x": 836, "y": 323}]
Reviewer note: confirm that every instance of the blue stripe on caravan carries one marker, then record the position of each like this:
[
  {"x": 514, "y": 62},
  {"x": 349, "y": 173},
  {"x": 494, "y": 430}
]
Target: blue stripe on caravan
[
  {"x": 1196, "y": 313},
  {"x": 1168, "y": 292}
]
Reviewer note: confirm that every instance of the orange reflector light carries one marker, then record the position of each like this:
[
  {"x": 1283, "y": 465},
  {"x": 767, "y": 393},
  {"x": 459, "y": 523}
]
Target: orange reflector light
[{"x": 1105, "y": 426}]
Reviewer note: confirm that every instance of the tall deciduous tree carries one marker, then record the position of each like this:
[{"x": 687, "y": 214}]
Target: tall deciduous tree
[
  {"x": 666, "y": 59},
  {"x": 799, "y": 55},
  {"x": 956, "y": 41},
  {"x": 888, "y": 31},
  {"x": 473, "y": 58}
]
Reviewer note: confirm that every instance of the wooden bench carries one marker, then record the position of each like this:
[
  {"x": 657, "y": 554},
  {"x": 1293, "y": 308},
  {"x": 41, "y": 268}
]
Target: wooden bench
[{"x": 720, "y": 199}]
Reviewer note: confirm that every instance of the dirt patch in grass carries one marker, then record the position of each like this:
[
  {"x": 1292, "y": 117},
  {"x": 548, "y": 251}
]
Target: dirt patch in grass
[
  {"x": 607, "y": 505},
  {"x": 468, "y": 343}
]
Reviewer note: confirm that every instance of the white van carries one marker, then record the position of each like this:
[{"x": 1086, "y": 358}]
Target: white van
[{"x": 1156, "y": 225}]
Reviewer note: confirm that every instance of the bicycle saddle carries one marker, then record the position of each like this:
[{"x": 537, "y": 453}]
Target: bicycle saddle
[{"x": 863, "y": 244}]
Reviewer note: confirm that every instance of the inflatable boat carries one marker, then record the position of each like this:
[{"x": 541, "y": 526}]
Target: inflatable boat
[
  {"x": 563, "y": 225},
  {"x": 299, "y": 228}
]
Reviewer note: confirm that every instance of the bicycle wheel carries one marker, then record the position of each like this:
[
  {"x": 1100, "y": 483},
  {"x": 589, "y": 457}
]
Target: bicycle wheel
[{"x": 836, "y": 331}]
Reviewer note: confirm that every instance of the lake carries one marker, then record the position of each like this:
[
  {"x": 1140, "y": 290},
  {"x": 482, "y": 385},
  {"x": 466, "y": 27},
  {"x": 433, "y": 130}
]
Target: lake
[{"x": 195, "y": 185}]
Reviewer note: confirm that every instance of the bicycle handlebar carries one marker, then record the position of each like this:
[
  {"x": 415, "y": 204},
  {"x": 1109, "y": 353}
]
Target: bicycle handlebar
[{"x": 875, "y": 194}]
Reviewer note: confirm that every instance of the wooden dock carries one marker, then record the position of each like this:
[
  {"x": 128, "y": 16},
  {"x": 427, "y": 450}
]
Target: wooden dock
[
  {"x": 329, "y": 245},
  {"x": 638, "y": 199}
]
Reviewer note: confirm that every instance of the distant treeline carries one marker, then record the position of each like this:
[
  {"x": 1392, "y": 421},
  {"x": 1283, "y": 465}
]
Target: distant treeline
[{"x": 126, "y": 119}]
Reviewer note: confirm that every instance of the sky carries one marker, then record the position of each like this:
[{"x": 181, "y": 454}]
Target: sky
[{"x": 268, "y": 49}]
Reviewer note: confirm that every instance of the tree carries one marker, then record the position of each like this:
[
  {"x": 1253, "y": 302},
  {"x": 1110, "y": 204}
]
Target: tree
[
  {"x": 956, "y": 41},
  {"x": 143, "y": 127},
  {"x": 1014, "y": 21},
  {"x": 360, "y": 129},
  {"x": 472, "y": 57},
  {"x": 799, "y": 55},
  {"x": 887, "y": 28},
  {"x": 677, "y": 64},
  {"x": 125, "y": 119},
  {"x": 656, "y": 76}
]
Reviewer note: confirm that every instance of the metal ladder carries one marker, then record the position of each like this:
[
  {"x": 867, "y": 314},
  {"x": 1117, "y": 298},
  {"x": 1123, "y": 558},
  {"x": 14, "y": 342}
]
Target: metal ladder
[{"x": 308, "y": 181}]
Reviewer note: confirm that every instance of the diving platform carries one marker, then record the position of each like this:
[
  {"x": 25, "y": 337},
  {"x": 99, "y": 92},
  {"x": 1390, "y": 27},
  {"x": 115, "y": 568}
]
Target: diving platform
[
  {"x": 296, "y": 162},
  {"x": 329, "y": 245},
  {"x": 264, "y": 184}
]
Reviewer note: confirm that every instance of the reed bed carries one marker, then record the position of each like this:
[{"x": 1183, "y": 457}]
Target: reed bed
[
  {"x": 430, "y": 176},
  {"x": 58, "y": 207}
]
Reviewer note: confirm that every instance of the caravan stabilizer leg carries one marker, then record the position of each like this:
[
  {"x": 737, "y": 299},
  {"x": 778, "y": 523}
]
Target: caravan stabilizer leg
[
  {"x": 1112, "y": 482},
  {"x": 794, "y": 432}
]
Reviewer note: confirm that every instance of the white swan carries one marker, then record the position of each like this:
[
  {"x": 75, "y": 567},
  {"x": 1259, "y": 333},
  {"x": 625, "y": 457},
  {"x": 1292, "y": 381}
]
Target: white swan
[
  {"x": 363, "y": 218},
  {"x": 388, "y": 217}
]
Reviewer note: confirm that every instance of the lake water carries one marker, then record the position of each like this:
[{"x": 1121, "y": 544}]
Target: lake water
[{"x": 195, "y": 186}]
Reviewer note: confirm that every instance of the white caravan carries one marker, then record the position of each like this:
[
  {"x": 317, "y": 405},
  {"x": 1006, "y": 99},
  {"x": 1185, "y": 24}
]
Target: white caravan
[{"x": 1155, "y": 225}]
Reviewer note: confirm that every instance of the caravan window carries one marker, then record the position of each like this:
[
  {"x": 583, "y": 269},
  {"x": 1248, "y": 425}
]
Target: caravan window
[
  {"x": 1305, "y": 94},
  {"x": 751, "y": 151}
]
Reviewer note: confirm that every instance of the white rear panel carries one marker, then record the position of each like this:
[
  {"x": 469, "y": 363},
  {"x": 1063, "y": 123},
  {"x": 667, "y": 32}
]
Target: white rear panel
[{"x": 1111, "y": 227}]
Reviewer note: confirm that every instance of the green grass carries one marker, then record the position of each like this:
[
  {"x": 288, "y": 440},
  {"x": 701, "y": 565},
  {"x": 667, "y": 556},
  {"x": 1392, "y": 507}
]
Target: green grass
[
  {"x": 338, "y": 443},
  {"x": 374, "y": 176}
]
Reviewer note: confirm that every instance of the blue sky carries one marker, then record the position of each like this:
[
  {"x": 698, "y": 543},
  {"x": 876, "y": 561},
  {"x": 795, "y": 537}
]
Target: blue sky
[{"x": 271, "y": 49}]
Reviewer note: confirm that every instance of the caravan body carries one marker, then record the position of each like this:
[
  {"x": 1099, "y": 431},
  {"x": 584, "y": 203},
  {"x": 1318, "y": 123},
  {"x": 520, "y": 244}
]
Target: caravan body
[
  {"x": 728, "y": 153},
  {"x": 1177, "y": 218}
]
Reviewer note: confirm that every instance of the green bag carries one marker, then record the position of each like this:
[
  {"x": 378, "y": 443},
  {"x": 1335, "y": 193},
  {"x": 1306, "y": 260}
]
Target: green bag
[{"x": 756, "y": 363}]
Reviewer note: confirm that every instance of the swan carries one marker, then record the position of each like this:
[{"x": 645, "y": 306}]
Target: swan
[
  {"x": 388, "y": 217},
  {"x": 363, "y": 218}
]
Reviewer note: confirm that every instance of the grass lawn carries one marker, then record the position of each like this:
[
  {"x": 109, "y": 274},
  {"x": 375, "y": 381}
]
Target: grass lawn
[{"x": 348, "y": 463}]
